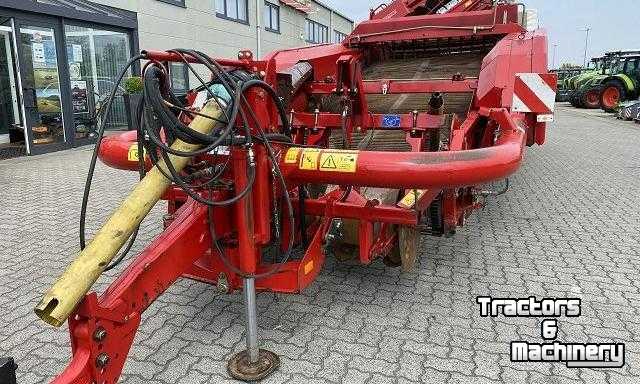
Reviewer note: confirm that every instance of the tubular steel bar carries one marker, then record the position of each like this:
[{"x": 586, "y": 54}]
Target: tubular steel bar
[
  {"x": 60, "y": 301},
  {"x": 380, "y": 213},
  {"x": 396, "y": 86},
  {"x": 251, "y": 320},
  {"x": 422, "y": 170},
  {"x": 163, "y": 56}
]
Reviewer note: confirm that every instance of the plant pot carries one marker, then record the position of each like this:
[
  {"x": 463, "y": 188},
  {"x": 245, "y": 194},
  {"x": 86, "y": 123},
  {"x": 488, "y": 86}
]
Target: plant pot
[{"x": 131, "y": 104}]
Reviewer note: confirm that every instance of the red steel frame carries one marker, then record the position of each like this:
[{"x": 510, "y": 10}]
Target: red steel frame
[
  {"x": 106, "y": 325},
  {"x": 406, "y": 8}
]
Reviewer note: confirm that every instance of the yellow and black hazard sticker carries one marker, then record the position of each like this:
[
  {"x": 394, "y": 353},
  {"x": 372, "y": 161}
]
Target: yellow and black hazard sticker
[
  {"x": 133, "y": 154},
  {"x": 292, "y": 156},
  {"x": 309, "y": 159},
  {"x": 410, "y": 199},
  {"x": 344, "y": 162}
]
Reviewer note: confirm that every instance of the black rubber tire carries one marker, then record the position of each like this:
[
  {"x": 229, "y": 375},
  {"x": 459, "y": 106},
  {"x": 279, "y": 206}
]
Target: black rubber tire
[
  {"x": 574, "y": 99},
  {"x": 604, "y": 95},
  {"x": 588, "y": 103}
]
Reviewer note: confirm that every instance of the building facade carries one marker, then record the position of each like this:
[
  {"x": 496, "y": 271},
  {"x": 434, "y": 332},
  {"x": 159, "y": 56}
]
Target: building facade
[{"x": 59, "y": 58}]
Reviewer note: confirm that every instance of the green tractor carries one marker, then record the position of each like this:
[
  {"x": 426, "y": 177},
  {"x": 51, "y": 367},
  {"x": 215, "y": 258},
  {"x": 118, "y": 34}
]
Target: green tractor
[
  {"x": 616, "y": 81},
  {"x": 581, "y": 93},
  {"x": 622, "y": 84},
  {"x": 564, "y": 74}
]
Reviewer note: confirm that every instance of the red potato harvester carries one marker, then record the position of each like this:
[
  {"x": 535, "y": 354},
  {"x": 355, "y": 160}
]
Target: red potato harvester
[{"x": 271, "y": 165}]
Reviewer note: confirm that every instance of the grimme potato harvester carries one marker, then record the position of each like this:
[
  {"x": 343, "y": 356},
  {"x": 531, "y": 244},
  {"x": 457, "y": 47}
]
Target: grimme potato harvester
[{"x": 269, "y": 166}]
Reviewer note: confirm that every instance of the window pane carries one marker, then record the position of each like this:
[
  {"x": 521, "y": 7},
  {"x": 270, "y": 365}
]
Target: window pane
[
  {"x": 232, "y": 9},
  {"x": 275, "y": 18},
  {"x": 95, "y": 57},
  {"x": 41, "y": 75},
  {"x": 179, "y": 80},
  {"x": 220, "y": 6},
  {"x": 267, "y": 16},
  {"x": 242, "y": 10}
]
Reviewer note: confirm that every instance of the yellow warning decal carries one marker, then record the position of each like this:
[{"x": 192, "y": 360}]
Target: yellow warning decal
[
  {"x": 308, "y": 267},
  {"x": 292, "y": 156},
  {"x": 133, "y": 154},
  {"x": 410, "y": 199},
  {"x": 309, "y": 159},
  {"x": 345, "y": 162}
]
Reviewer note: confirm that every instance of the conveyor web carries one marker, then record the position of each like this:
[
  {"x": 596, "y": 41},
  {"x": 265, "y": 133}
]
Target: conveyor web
[{"x": 431, "y": 67}]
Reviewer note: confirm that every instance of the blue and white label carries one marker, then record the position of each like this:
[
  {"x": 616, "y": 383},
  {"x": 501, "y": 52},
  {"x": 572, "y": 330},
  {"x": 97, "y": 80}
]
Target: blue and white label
[{"x": 391, "y": 121}]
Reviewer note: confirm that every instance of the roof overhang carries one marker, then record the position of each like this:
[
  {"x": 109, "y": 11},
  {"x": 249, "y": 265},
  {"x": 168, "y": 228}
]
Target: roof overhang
[
  {"x": 301, "y": 6},
  {"x": 78, "y": 10}
]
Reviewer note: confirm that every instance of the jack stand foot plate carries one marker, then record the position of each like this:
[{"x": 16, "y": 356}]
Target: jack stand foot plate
[{"x": 240, "y": 369}]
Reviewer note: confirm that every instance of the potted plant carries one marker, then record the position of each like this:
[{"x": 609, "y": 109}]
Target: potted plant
[{"x": 132, "y": 99}]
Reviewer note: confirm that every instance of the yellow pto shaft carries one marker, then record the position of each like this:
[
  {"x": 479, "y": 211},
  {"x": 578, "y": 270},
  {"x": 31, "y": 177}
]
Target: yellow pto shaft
[{"x": 60, "y": 301}]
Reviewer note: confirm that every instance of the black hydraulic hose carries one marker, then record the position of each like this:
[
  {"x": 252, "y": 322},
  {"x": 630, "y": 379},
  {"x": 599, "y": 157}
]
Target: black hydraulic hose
[
  {"x": 281, "y": 111},
  {"x": 155, "y": 115},
  {"x": 94, "y": 156},
  {"x": 287, "y": 197},
  {"x": 168, "y": 119},
  {"x": 265, "y": 138},
  {"x": 290, "y": 245},
  {"x": 142, "y": 172}
]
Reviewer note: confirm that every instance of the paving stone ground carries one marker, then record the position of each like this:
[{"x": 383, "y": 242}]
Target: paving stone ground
[{"x": 570, "y": 226}]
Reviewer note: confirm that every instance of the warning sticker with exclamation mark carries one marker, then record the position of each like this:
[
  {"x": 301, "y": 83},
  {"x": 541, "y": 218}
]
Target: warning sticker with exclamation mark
[{"x": 338, "y": 162}]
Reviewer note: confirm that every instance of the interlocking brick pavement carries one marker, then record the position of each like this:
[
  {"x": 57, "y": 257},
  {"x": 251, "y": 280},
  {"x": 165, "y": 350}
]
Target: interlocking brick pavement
[{"x": 570, "y": 226}]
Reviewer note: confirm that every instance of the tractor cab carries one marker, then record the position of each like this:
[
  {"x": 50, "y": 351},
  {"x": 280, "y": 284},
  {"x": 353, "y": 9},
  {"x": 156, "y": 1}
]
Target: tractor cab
[{"x": 622, "y": 81}]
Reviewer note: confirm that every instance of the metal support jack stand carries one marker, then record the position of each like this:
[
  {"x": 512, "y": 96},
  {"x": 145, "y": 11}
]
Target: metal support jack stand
[{"x": 253, "y": 364}]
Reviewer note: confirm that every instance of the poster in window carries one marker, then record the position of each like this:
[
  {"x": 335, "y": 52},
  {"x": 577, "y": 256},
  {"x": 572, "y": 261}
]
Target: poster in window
[
  {"x": 37, "y": 50},
  {"x": 75, "y": 71},
  {"x": 47, "y": 89},
  {"x": 79, "y": 97},
  {"x": 44, "y": 54},
  {"x": 77, "y": 53}
]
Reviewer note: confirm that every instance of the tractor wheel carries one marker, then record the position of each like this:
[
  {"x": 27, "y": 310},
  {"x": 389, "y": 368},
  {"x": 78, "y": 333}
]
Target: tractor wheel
[
  {"x": 573, "y": 99},
  {"x": 591, "y": 98},
  {"x": 612, "y": 94}
]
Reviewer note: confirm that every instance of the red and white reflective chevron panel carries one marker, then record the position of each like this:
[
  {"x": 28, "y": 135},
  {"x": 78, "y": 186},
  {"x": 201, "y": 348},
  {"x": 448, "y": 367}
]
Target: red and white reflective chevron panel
[{"x": 535, "y": 92}]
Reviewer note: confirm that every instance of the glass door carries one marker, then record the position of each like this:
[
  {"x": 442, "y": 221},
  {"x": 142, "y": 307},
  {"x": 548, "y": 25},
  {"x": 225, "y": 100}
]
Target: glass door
[
  {"x": 41, "y": 86},
  {"x": 95, "y": 57},
  {"x": 9, "y": 108}
]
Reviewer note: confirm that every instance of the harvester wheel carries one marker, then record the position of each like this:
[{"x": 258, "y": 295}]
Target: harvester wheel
[
  {"x": 612, "y": 94},
  {"x": 393, "y": 259},
  {"x": 405, "y": 253},
  {"x": 408, "y": 237},
  {"x": 591, "y": 98}
]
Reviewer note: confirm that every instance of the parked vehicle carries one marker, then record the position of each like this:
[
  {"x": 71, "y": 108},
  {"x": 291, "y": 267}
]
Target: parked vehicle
[
  {"x": 563, "y": 76},
  {"x": 622, "y": 84},
  {"x": 597, "y": 66},
  {"x": 628, "y": 110}
]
